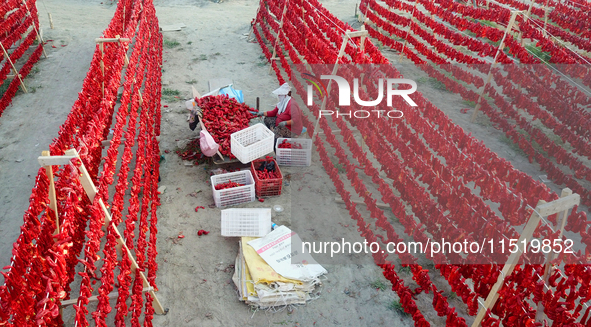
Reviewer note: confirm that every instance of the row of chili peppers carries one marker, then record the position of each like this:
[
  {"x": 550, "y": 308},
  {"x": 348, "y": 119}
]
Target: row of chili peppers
[
  {"x": 18, "y": 21},
  {"x": 529, "y": 28},
  {"x": 578, "y": 143},
  {"x": 84, "y": 114},
  {"x": 415, "y": 312},
  {"x": 13, "y": 29},
  {"x": 574, "y": 211},
  {"x": 556, "y": 151}
]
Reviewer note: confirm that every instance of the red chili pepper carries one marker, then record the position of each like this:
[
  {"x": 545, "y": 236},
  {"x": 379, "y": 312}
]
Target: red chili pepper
[
  {"x": 261, "y": 200},
  {"x": 229, "y": 184},
  {"x": 199, "y": 207},
  {"x": 202, "y": 232}
]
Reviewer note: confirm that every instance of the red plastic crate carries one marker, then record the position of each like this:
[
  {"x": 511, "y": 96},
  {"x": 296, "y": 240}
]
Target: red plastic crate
[{"x": 266, "y": 187}]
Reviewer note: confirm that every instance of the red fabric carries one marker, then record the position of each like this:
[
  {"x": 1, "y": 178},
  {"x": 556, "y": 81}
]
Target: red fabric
[{"x": 292, "y": 112}]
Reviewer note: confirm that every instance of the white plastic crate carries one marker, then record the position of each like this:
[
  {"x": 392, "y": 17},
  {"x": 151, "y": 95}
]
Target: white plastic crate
[
  {"x": 252, "y": 143},
  {"x": 235, "y": 195},
  {"x": 294, "y": 157},
  {"x": 246, "y": 222}
]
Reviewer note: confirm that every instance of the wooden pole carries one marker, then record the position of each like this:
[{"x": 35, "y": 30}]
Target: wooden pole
[
  {"x": 489, "y": 77},
  {"x": 102, "y": 48},
  {"x": 50, "y": 20},
  {"x": 412, "y": 19},
  {"x": 14, "y": 68},
  {"x": 512, "y": 261},
  {"x": 278, "y": 34},
  {"x": 545, "y": 17},
  {"x": 362, "y": 42},
  {"x": 52, "y": 195},
  {"x": 114, "y": 39},
  {"x": 39, "y": 38}
]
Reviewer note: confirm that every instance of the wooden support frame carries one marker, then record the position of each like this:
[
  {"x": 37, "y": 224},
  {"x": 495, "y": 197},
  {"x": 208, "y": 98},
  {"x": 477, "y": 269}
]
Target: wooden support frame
[
  {"x": 14, "y": 68},
  {"x": 91, "y": 192},
  {"x": 348, "y": 35},
  {"x": 565, "y": 203},
  {"x": 40, "y": 39},
  {"x": 52, "y": 195},
  {"x": 101, "y": 41},
  {"x": 278, "y": 34},
  {"x": 508, "y": 268},
  {"x": 489, "y": 77},
  {"x": 566, "y": 198}
]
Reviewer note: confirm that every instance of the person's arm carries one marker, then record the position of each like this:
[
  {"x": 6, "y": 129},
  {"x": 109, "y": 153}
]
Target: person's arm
[{"x": 271, "y": 113}]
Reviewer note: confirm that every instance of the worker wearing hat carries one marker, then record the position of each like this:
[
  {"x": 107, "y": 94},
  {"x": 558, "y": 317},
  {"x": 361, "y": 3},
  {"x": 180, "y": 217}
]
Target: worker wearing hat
[{"x": 285, "y": 120}]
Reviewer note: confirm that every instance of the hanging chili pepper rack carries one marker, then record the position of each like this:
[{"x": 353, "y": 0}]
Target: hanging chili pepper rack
[
  {"x": 47, "y": 161},
  {"x": 543, "y": 209}
]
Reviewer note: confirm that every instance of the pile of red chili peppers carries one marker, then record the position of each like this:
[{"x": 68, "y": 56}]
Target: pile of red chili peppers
[
  {"x": 223, "y": 116},
  {"x": 226, "y": 185},
  {"x": 287, "y": 145},
  {"x": 266, "y": 169}
]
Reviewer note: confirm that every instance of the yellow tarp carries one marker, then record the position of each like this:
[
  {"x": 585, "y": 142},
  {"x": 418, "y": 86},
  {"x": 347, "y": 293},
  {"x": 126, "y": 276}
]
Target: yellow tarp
[{"x": 260, "y": 271}]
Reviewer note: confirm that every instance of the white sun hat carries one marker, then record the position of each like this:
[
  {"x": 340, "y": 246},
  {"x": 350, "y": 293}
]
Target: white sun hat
[{"x": 283, "y": 89}]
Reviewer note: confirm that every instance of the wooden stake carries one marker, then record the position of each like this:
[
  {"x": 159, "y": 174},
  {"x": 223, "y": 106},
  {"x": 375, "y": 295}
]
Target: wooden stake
[
  {"x": 512, "y": 261},
  {"x": 39, "y": 38},
  {"x": 489, "y": 77},
  {"x": 14, "y": 68},
  {"x": 362, "y": 42},
  {"x": 278, "y": 34},
  {"x": 52, "y": 196},
  {"x": 50, "y": 20}
]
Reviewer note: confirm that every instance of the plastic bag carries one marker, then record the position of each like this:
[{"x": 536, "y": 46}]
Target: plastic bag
[
  {"x": 232, "y": 93},
  {"x": 281, "y": 249},
  {"x": 207, "y": 144}
]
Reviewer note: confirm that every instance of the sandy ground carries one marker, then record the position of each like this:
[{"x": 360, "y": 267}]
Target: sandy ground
[{"x": 194, "y": 279}]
